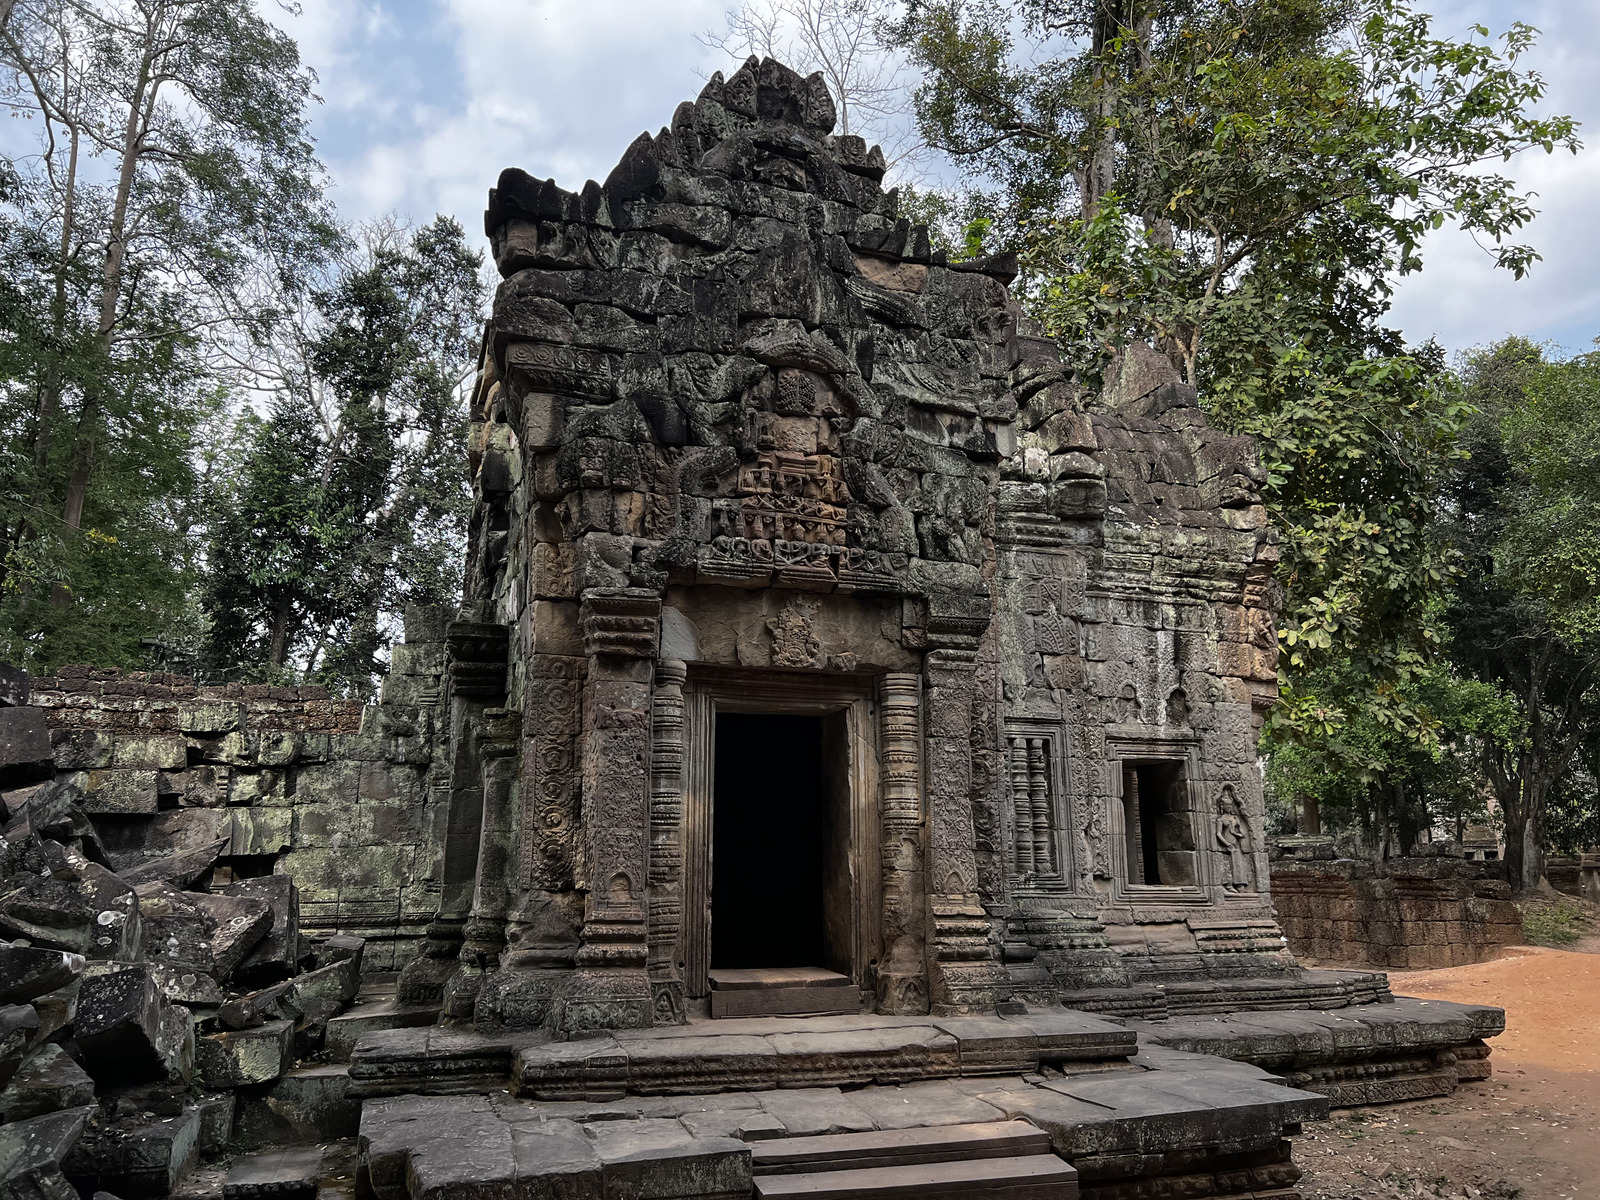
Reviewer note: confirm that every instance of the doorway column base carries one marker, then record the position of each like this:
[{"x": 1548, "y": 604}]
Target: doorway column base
[
  {"x": 596, "y": 999},
  {"x": 423, "y": 980}
]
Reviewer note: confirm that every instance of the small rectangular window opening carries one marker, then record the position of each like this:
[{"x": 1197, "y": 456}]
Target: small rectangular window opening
[{"x": 1158, "y": 823}]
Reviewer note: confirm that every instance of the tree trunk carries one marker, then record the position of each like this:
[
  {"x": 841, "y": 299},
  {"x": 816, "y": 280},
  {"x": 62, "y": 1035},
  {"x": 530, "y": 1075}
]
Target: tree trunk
[
  {"x": 141, "y": 107},
  {"x": 278, "y": 651}
]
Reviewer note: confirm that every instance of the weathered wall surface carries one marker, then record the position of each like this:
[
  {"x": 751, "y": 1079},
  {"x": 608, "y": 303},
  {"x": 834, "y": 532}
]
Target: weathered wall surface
[
  {"x": 274, "y": 780},
  {"x": 1406, "y": 914}
]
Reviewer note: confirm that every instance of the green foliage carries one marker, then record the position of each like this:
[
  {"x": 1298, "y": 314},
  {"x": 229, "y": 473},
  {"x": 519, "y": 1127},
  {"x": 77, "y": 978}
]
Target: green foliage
[
  {"x": 172, "y": 184},
  {"x": 1524, "y": 515},
  {"x": 1242, "y": 184},
  {"x": 348, "y": 500},
  {"x": 1559, "y": 924}
]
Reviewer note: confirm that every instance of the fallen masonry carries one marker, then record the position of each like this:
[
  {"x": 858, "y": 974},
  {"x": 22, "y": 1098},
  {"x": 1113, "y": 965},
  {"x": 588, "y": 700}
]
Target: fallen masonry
[{"x": 840, "y": 778}]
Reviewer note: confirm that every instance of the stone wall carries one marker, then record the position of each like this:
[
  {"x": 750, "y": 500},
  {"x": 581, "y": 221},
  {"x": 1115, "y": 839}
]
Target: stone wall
[
  {"x": 1406, "y": 914},
  {"x": 274, "y": 780}
]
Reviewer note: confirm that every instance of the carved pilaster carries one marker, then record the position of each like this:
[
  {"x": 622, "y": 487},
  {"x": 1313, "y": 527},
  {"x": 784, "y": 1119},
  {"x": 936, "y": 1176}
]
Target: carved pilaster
[
  {"x": 550, "y": 849},
  {"x": 963, "y": 969},
  {"x": 902, "y": 973},
  {"x": 666, "y": 848},
  {"x": 610, "y": 989},
  {"x": 496, "y": 736},
  {"x": 476, "y": 681}
]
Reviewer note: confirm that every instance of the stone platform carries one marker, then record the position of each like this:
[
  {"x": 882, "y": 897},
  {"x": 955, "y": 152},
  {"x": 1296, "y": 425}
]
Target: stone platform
[
  {"x": 752, "y": 1053},
  {"x": 1371, "y": 1054},
  {"x": 1160, "y": 1123}
]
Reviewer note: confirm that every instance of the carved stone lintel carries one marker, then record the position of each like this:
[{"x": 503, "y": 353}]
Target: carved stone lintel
[
  {"x": 621, "y": 622},
  {"x": 957, "y": 620}
]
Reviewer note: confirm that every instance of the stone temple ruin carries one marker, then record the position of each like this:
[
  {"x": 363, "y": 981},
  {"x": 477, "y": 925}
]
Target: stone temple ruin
[{"x": 840, "y": 780}]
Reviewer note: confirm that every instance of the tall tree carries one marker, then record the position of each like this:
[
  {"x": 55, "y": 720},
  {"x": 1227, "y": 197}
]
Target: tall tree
[
  {"x": 1241, "y": 182},
  {"x": 1524, "y": 510},
  {"x": 350, "y": 499},
  {"x": 173, "y": 167}
]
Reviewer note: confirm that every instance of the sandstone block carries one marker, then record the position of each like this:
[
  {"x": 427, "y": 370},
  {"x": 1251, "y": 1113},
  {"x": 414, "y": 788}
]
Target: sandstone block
[
  {"x": 120, "y": 793},
  {"x": 80, "y": 749},
  {"x": 127, "y": 1031},
  {"x": 240, "y": 1057},
  {"x": 154, "y": 751},
  {"x": 48, "y": 1081},
  {"x": 32, "y": 1152}
]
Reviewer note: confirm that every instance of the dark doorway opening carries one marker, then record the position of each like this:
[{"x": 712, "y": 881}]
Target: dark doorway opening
[
  {"x": 1160, "y": 831},
  {"x": 770, "y": 842}
]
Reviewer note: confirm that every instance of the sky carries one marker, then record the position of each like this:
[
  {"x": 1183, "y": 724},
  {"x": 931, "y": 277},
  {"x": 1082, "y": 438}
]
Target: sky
[{"x": 424, "y": 101}]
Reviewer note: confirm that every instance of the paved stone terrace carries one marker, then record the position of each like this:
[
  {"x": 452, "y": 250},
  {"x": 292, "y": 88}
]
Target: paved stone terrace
[{"x": 1165, "y": 1119}]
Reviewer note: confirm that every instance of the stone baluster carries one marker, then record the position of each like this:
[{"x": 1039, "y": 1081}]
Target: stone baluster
[
  {"x": 1044, "y": 848},
  {"x": 1022, "y": 835}
]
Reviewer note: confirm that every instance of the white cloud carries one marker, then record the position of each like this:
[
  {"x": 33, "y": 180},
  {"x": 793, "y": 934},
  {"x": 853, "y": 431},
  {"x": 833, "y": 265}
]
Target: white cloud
[
  {"x": 427, "y": 100},
  {"x": 1460, "y": 297}
]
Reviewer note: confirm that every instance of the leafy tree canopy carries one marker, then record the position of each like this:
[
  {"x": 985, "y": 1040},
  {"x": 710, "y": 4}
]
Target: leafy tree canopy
[{"x": 1242, "y": 183}]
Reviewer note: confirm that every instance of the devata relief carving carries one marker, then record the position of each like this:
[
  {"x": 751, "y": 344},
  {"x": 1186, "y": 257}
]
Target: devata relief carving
[{"x": 817, "y": 565}]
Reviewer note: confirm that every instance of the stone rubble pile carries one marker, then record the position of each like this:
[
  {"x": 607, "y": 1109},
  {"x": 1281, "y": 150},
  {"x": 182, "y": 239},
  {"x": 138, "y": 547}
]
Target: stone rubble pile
[{"x": 143, "y": 995}]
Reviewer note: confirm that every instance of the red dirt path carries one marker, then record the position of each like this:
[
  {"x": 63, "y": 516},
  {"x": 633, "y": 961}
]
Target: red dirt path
[{"x": 1531, "y": 1132}]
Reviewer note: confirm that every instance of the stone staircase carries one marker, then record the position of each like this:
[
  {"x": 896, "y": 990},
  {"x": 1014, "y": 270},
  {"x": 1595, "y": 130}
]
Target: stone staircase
[{"x": 1009, "y": 1159}]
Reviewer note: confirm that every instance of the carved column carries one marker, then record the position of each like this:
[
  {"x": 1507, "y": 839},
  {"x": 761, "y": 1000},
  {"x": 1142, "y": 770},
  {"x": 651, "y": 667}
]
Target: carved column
[
  {"x": 963, "y": 973},
  {"x": 495, "y": 737},
  {"x": 541, "y": 929},
  {"x": 666, "y": 847},
  {"x": 902, "y": 970},
  {"x": 476, "y": 681},
  {"x": 610, "y": 989}
]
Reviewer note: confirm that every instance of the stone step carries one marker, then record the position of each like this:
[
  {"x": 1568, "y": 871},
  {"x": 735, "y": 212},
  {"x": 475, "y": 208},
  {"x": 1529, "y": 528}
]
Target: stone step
[
  {"x": 1372, "y": 1054},
  {"x": 345, "y": 1030},
  {"x": 755, "y": 1054},
  {"x": 782, "y": 991},
  {"x": 898, "y": 1147},
  {"x": 290, "y": 1173},
  {"x": 1034, "y": 1177}
]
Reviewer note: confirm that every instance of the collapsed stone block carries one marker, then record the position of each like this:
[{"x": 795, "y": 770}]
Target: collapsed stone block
[
  {"x": 207, "y": 933},
  {"x": 24, "y": 745},
  {"x": 134, "y": 1157},
  {"x": 216, "y": 1121},
  {"x": 30, "y": 971},
  {"x": 180, "y": 869},
  {"x": 19, "y": 1025},
  {"x": 241, "y": 1057},
  {"x": 47, "y": 1082},
  {"x": 307, "y": 1104},
  {"x": 32, "y": 1152},
  {"x": 277, "y": 955},
  {"x": 81, "y": 907},
  {"x": 128, "y": 1033}
]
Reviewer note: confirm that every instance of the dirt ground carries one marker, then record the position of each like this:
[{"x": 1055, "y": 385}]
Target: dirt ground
[{"x": 1532, "y": 1132}]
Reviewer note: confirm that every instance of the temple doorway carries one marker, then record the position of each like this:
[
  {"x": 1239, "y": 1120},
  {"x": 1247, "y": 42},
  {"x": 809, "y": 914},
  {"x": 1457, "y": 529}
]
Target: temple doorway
[
  {"x": 782, "y": 846},
  {"x": 780, "y": 875},
  {"x": 768, "y": 842}
]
